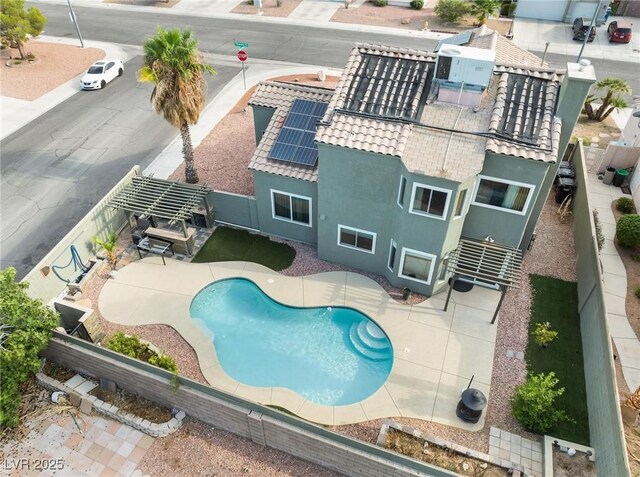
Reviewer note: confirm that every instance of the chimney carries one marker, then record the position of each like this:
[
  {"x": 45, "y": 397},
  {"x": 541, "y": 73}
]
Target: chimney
[{"x": 573, "y": 91}]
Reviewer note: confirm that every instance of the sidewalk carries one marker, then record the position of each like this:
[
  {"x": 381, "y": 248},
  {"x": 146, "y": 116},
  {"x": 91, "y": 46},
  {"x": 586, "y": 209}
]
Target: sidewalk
[
  {"x": 533, "y": 35},
  {"x": 615, "y": 283}
]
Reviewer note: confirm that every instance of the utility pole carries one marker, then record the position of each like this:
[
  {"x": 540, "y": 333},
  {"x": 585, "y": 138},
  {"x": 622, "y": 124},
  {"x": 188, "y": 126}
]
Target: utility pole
[
  {"x": 591, "y": 27},
  {"x": 74, "y": 20}
]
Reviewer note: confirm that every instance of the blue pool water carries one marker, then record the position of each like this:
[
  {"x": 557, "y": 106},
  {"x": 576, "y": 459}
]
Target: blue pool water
[{"x": 329, "y": 355}]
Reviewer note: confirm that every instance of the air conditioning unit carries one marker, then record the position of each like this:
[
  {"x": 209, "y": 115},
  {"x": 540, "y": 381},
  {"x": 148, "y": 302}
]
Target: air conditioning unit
[{"x": 465, "y": 65}]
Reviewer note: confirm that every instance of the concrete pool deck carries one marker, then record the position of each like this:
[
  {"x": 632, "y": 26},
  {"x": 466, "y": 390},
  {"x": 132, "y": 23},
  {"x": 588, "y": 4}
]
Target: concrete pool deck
[{"x": 435, "y": 352}]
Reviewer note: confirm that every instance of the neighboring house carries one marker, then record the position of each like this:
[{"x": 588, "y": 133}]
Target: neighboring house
[
  {"x": 413, "y": 151},
  {"x": 561, "y": 10}
]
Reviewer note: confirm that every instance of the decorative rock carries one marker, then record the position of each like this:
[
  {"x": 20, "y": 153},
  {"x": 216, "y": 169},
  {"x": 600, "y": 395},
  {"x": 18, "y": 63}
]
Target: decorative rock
[
  {"x": 107, "y": 385},
  {"x": 86, "y": 406},
  {"x": 74, "y": 399},
  {"x": 406, "y": 21}
]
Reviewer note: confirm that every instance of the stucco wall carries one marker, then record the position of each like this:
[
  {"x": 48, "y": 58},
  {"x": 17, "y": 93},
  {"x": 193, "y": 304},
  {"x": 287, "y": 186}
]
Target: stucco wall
[
  {"x": 235, "y": 209},
  {"x": 261, "y": 424},
  {"x": 505, "y": 227},
  {"x": 264, "y": 184},
  {"x": 261, "y": 118},
  {"x": 100, "y": 221},
  {"x": 360, "y": 190},
  {"x": 605, "y": 423}
]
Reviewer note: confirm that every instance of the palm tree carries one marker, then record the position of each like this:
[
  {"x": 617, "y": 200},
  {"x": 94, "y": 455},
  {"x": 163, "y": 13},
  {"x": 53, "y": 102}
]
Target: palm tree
[
  {"x": 174, "y": 65},
  {"x": 610, "y": 101},
  {"x": 109, "y": 246},
  {"x": 482, "y": 9}
]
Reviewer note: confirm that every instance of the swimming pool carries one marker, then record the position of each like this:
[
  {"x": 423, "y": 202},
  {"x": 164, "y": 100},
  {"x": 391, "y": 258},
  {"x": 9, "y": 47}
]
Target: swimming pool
[{"x": 329, "y": 355}]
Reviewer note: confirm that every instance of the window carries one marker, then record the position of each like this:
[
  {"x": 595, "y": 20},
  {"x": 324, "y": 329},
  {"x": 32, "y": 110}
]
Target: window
[
  {"x": 416, "y": 266},
  {"x": 403, "y": 186},
  {"x": 429, "y": 201},
  {"x": 502, "y": 194},
  {"x": 462, "y": 197},
  {"x": 291, "y": 208},
  {"x": 392, "y": 255},
  {"x": 355, "y": 238}
]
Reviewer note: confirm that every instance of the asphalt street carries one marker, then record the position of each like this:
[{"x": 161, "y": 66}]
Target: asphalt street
[{"x": 55, "y": 169}]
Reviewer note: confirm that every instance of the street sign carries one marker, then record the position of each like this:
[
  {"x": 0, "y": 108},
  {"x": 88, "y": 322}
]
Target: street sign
[
  {"x": 242, "y": 55},
  {"x": 240, "y": 44}
]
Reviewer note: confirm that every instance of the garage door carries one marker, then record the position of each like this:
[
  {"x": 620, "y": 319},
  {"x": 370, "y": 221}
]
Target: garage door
[{"x": 542, "y": 9}]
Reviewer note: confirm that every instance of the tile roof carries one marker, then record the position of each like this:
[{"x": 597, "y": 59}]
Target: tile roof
[
  {"x": 275, "y": 95},
  {"x": 379, "y": 134},
  {"x": 507, "y": 52},
  {"x": 280, "y": 96},
  {"x": 520, "y": 108}
]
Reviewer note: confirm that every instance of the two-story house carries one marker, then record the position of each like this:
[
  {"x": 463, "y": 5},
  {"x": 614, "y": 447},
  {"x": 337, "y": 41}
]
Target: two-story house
[{"x": 413, "y": 151}]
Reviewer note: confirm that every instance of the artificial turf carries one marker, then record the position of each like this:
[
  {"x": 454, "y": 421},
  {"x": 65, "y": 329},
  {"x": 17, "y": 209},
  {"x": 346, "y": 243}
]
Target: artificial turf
[
  {"x": 228, "y": 244},
  {"x": 556, "y": 301}
]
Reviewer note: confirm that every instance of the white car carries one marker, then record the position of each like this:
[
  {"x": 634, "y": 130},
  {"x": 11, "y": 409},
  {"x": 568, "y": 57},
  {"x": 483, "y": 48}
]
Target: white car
[{"x": 100, "y": 73}]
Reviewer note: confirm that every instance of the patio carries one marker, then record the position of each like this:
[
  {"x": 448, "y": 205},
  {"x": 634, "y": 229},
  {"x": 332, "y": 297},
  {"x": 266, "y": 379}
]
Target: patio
[{"x": 435, "y": 352}]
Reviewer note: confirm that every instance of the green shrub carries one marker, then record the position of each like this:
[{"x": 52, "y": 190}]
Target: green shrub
[
  {"x": 628, "y": 230},
  {"x": 533, "y": 403},
  {"x": 638, "y": 292},
  {"x": 380, "y": 3},
  {"x": 451, "y": 11},
  {"x": 625, "y": 205},
  {"x": 164, "y": 361},
  {"x": 130, "y": 345},
  {"x": 417, "y": 4},
  {"x": 249, "y": 2},
  {"x": 25, "y": 329},
  {"x": 543, "y": 334},
  {"x": 127, "y": 345}
]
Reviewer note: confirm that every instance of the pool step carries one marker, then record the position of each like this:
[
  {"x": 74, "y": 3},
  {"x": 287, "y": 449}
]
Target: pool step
[{"x": 369, "y": 340}]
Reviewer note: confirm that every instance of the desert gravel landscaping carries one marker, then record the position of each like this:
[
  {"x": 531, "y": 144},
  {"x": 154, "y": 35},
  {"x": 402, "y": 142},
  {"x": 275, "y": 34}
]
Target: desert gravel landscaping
[{"x": 56, "y": 64}]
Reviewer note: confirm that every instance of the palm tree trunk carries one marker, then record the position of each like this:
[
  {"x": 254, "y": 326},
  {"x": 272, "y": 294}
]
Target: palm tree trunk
[
  {"x": 191, "y": 175},
  {"x": 606, "y": 101}
]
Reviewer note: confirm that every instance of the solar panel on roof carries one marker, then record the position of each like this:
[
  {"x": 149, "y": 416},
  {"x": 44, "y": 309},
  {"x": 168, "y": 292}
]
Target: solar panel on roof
[{"x": 295, "y": 140}]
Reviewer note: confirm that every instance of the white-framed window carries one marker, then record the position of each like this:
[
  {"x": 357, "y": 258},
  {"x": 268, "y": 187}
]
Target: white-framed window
[
  {"x": 430, "y": 201},
  {"x": 291, "y": 207},
  {"x": 393, "y": 249},
  {"x": 357, "y": 239},
  {"x": 401, "y": 190},
  {"x": 416, "y": 265},
  {"x": 462, "y": 198},
  {"x": 501, "y": 194}
]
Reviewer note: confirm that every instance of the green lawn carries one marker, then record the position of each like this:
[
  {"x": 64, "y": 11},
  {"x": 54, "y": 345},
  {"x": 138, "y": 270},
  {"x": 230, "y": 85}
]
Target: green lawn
[
  {"x": 556, "y": 301},
  {"x": 227, "y": 244}
]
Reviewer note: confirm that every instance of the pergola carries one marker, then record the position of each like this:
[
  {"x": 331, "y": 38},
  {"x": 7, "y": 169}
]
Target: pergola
[
  {"x": 170, "y": 200},
  {"x": 487, "y": 264}
]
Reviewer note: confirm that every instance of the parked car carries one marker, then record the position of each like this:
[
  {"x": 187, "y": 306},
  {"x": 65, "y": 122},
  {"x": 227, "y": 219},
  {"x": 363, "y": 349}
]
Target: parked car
[
  {"x": 619, "y": 31},
  {"x": 100, "y": 73},
  {"x": 581, "y": 29}
]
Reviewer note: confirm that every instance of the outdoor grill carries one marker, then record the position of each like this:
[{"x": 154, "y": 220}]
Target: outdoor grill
[{"x": 472, "y": 402}]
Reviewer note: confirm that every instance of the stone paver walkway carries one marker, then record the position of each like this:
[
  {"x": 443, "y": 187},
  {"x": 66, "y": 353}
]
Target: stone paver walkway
[
  {"x": 85, "y": 446},
  {"x": 516, "y": 449}
]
